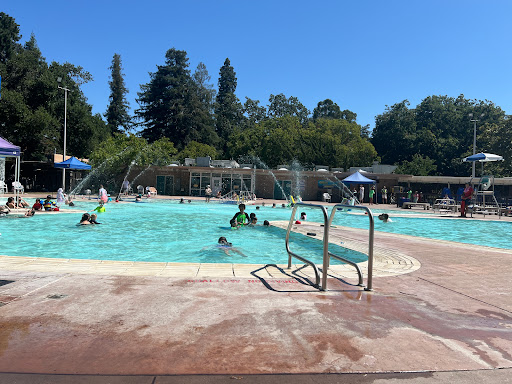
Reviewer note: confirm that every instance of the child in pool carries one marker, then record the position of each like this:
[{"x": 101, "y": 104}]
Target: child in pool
[
  {"x": 385, "y": 218},
  {"x": 85, "y": 219},
  {"x": 93, "y": 218},
  {"x": 226, "y": 246}
]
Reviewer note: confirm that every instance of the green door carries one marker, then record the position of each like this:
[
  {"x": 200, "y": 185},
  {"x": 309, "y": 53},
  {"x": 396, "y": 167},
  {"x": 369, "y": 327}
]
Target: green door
[
  {"x": 169, "y": 185},
  {"x": 160, "y": 185},
  {"x": 165, "y": 185}
]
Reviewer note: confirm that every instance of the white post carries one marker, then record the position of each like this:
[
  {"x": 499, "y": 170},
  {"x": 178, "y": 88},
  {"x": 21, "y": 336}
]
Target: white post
[
  {"x": 65, "y": 123},
  {"x": 474, "y": 148}
]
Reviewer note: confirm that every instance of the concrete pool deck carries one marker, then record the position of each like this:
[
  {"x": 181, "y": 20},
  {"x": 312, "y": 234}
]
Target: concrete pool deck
[{"x": 439, "y": 311}]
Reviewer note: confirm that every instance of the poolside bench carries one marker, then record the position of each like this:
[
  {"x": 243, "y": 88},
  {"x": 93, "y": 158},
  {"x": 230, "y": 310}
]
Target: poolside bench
[{"x": 409, "y": 205}]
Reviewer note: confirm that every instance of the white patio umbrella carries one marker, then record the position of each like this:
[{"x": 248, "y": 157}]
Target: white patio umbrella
[{"x": 483, "y": 157}]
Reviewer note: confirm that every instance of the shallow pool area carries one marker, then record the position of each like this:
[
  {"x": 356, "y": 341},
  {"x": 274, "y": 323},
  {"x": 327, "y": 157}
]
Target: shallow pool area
[
  {"x": 167, "y": 231},
  {"x": 159, "y": 231}
]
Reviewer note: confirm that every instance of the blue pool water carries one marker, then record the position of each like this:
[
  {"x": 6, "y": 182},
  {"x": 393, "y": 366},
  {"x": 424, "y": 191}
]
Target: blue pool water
[
  {"x": 168, "y": 231},
  {"x": 158, "y": 230}
]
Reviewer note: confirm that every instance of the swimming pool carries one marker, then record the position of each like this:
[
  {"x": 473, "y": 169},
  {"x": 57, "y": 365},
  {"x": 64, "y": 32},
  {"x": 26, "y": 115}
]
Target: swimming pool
[
  {"x": 161, "y": 231},
  {"x": 166, "y": 231}
]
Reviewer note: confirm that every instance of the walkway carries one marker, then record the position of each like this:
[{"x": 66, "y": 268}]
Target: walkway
[{"x": 454, "y": 313}]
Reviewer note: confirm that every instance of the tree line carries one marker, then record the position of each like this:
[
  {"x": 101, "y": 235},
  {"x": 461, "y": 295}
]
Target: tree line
[{"x": 181, "y": 114}]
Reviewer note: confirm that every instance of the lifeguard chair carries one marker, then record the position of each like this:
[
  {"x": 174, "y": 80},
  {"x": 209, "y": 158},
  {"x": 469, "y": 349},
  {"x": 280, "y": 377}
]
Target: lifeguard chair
[{"x": 484, "y": 199}]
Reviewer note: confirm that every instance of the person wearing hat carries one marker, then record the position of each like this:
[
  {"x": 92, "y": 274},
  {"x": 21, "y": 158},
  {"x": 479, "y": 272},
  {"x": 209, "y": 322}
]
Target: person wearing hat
[{"x": 208, "y": 193}]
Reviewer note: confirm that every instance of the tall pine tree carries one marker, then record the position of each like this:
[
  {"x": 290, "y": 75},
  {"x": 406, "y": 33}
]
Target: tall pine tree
[
  {"x": 170, "y": 106},
  {"x": 228, "y": 110},
  {"x": 117, "y": 112}
]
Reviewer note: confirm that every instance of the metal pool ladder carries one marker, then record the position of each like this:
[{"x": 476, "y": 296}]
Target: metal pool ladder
[{"x": 326, "y": 253}]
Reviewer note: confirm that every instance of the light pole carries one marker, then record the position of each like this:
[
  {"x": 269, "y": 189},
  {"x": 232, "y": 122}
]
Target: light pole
[
  {"x": 59, "y": 79},
  {"x": 474, "y": 141}
]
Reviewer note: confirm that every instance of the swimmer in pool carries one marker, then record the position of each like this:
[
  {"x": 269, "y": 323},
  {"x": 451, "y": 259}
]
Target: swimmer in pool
[
  {"x": 85, "y": 219},
  {"x": 240, "y": 218},
  {"x": 385, "y": 218},
  {"x": 100, "y": 208},
  {"x": 226, "y": 246},
  {"x": 93, "y": 218},
  {"x": 30, "y": 213}
]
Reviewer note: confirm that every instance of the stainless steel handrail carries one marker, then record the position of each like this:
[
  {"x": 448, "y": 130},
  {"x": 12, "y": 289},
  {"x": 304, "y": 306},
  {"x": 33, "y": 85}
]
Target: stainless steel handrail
[
  {"x": 325, "y": 240},
  {"x": 369, "y": 280}
]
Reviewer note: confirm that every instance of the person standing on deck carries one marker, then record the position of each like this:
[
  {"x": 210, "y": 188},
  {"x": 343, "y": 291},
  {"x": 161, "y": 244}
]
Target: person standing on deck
[
  {"x": 371, "y": 193},
  {"x": 361, "y": 194},
  {"x": 466, "y": 198},
  {"x": 208, "y": 193},
  {"x": 384, "y": 192}
]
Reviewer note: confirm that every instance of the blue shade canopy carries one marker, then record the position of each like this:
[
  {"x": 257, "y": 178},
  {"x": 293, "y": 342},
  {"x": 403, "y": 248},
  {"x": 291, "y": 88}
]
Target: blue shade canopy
[
  {"x": 358, "y": 178},
  {"x": 483, "y": 157},
  {"x": 72, "y": 163},
  {"x": 8, "y": 149}
]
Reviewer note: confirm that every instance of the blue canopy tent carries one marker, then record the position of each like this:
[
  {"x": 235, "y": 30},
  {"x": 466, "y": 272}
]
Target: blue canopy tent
[
  {"x": 358, "y": 178},
  {"x": 72, "y": 163},
  {"x": 8, "y": 149}
]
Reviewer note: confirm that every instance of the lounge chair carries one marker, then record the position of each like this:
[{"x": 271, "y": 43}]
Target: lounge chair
[
  {"x": 326, "y": 197},
  {"x": 153, "y": 191}
]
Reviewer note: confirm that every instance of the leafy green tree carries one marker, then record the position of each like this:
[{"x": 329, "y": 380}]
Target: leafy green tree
[
  {"x": 281, "y": 106},
  {"x": 495, "y": 138},
  {"x": 9, "y": 37},
  {"x": 327, "y": 109},
  {"x": 255, "y": 113},
  {"x": 439, "y": 128},
  {"x": 84, "y": 130},
  {"x": 419, "y": 166},
  {"x": 116, "y": 154},
  {"x": 228, "y": 110},
  {"x": 337, "y": 143},
  {"x": 349, "y": 115},
  {"x": 394, "y": 133},
  {"x": 195, "y": 149},
  {"x": 32, "y": 106},
  {"x": 365, "y": 131},
  {"x": 170, "y": 106},
  {"x": 117, "y": 112}
]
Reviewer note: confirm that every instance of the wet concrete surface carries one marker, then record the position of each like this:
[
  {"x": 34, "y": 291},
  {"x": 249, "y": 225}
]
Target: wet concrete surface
[
  {"x": 453, "y": 314},
  {"x": 501, "y": 376}
]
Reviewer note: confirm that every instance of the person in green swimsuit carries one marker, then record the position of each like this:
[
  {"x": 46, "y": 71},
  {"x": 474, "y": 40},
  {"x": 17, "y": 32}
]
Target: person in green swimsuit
[
  {"x": 240, "y": 218},
  {"x": 371, "y": 193}
]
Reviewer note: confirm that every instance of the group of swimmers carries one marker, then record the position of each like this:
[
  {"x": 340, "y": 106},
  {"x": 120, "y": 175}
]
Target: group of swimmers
[
  {"x": 15, "y": 204},
  {"x": 241, "y": 218},
  {"x": 40, "y": 205}
]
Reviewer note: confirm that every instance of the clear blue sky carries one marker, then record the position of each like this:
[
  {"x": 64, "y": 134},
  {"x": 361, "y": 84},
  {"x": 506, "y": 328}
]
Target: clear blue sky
[{"x": 363, "y": 55}]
